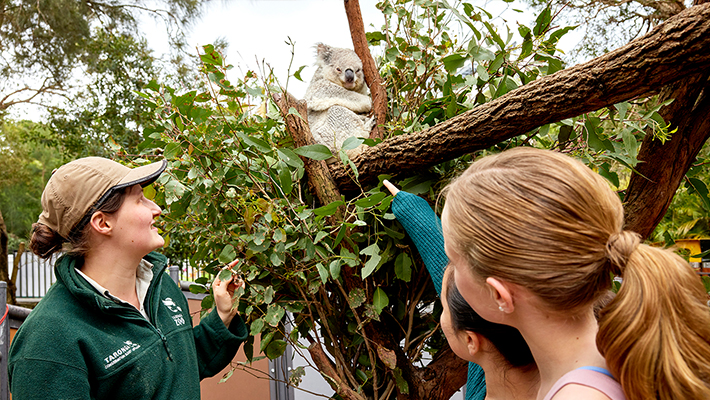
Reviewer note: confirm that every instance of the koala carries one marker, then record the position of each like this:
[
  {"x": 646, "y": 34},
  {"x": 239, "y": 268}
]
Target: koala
[{"x": 338, "y": 98}]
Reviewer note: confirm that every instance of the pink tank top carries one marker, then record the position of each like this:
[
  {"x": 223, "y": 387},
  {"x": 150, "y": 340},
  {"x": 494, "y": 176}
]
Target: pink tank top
[{"x": 595, "y": 378}]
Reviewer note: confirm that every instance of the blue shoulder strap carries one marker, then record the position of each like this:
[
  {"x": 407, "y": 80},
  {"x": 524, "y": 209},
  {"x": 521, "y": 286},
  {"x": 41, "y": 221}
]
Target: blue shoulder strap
[{"x": 600, "y": 370}]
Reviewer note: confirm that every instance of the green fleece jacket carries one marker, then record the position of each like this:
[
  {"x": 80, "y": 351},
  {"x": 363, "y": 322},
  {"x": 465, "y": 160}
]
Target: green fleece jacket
[
  {"x": 424, "y": 228},
  {"x": 78, "y": 344}
]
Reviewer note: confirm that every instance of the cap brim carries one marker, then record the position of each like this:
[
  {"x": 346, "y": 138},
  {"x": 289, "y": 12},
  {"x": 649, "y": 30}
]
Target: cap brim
[{"x": 144, "y": 175}]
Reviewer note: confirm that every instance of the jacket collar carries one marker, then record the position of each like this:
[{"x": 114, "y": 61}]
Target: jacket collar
[{"x": 65, "y": 271}]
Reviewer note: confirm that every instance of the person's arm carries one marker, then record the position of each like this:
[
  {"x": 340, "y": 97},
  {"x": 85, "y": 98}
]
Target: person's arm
[
  {"x": 222, "y": 331},
  {"x": 217, "y": 344},
  {"x": 424, "y": 228}
]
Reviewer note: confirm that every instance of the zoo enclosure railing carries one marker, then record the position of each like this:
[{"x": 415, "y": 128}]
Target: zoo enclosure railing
[{"x": 35, "y": 275}]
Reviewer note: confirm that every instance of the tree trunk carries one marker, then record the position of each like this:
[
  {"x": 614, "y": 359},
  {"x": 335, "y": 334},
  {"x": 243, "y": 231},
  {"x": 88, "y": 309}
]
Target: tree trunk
[
  {"x": 443, "y": 376},
  {"x": 325, "y": 367},
  {"x": 319, "y": 180},
  {"x": 673, "y": 50},
  {"x": 4, "y": 270},
  {"x": 664, "y": 165},
  {"x": 372, "y": 76}
]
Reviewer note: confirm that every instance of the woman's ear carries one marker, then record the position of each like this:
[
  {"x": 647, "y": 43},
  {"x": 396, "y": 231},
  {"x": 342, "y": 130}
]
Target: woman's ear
[
  {"x": 502, "y": 294},
  {"x": 101, "y": 223},
  {"x": 473, "y": 343}
]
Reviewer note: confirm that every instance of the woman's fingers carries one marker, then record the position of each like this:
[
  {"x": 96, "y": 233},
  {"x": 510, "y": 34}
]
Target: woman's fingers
[{"x": 392, "y": 188}]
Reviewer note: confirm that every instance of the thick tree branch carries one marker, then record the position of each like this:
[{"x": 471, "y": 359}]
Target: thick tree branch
[
  {"x": 319, "y": 179},
  {"x": 671, "y": 51},
  {"x": 372, "y": 76},
  {"x": 4, "y": 271},
  {"x": 446, "y": 368},
  {"x": 663, "y": 165},
  {"x": 325, "y": 367}
]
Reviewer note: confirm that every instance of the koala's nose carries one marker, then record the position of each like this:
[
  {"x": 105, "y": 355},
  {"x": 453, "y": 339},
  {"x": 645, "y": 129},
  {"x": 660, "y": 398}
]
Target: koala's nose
[{"x": 349, "y": 75}]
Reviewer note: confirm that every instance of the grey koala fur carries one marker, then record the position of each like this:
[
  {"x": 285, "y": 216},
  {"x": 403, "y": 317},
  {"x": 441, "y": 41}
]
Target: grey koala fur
[{"x": 338, "y": 98}]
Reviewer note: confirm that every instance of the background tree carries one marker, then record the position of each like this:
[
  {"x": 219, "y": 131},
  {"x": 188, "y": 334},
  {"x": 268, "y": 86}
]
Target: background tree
[
  {"x": 45, "y": 42},
  {"x": 83, "y": 62},
  {"x": 324, "y": 261},
  {"x": 29, "y": 152},
  {"x": 105, "y": 111},
  {"x": 606, "y": 25}
]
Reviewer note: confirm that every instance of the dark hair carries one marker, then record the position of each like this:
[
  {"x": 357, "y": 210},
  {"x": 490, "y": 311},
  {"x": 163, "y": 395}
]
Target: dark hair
[
  {"x": 45, "y": 241},
  {"x": 506, "y": 339}
]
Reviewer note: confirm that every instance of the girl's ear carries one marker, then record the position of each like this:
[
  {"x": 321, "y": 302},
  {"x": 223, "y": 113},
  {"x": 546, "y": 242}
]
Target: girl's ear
[
  {"x": 473, "y": 343},
  {"x": 101, "y": 223},
  {"x": 502, "y": 294}
]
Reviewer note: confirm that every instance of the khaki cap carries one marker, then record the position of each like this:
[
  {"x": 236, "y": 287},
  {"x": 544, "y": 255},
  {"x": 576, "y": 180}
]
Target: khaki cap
[{"x": 80, "y": 187}]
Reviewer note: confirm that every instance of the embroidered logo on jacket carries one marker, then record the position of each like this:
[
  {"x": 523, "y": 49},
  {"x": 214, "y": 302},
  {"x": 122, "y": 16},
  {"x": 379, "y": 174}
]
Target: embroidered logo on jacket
[
  {"x": 178, "y": 318},
  {"x": 121, "y": 353}
]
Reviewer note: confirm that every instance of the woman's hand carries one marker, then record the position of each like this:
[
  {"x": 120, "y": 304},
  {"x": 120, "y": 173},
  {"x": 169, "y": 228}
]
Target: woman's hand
[
  {"x": 392, "y": 188},
  {"x": 223, "y": 296}
]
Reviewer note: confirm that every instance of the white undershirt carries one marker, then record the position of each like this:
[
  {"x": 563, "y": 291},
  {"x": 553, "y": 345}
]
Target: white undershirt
[{"x": 144, "y": 274}]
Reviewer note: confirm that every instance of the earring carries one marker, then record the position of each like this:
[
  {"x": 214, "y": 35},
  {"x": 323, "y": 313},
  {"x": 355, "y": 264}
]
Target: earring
[{"x": 500, "y": 308}]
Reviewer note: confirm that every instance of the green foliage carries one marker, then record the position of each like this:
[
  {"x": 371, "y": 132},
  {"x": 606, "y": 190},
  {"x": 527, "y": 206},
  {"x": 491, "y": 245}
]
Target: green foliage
[
  {"x": 106, "y": 114},
  {"x": 688, "y": 216},
  {"x": 434, "y": 72},
  {"x": 28, "y": 155},
  {"x": 431, "y": 75},
  {"x": 605, "y": 26}
]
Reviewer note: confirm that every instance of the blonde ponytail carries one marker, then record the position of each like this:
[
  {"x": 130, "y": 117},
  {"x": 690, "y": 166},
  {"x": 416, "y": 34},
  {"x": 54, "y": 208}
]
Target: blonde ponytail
[{"x": 655, "y": 334}]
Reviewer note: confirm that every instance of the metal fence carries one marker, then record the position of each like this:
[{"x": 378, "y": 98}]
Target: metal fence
[{"x": 35, "y": 275}]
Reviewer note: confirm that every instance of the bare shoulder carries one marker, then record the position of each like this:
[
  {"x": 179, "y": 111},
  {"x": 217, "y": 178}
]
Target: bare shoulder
[{"x": 579, "y": 392}]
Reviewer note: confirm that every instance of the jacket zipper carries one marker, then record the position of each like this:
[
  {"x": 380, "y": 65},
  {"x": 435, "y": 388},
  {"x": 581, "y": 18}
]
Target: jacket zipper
[{"x": 130, "y": 310}]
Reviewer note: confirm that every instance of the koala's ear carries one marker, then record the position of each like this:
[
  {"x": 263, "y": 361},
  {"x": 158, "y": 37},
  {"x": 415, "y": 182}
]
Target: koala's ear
[{"x": 325, "y": 52}]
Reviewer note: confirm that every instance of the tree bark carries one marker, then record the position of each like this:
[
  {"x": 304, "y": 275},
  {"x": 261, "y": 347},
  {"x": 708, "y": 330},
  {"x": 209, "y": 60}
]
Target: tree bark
[
  {"x": 317, "y": 172},
  {"x": 673, "y": 50},
  {"x": 4, "y": 270},
  {"x": 664, "y": 165},
  {"x": 325, "y": 367},
  {"x": 443, "y": 376},
  {"x": 372, "y": 75}
]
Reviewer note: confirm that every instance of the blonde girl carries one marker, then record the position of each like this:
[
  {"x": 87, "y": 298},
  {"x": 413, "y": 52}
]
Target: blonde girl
[{"x": 534, "y": 238}]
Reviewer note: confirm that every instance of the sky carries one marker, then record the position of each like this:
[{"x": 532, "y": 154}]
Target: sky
[{"x": 257, "y": 30}]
